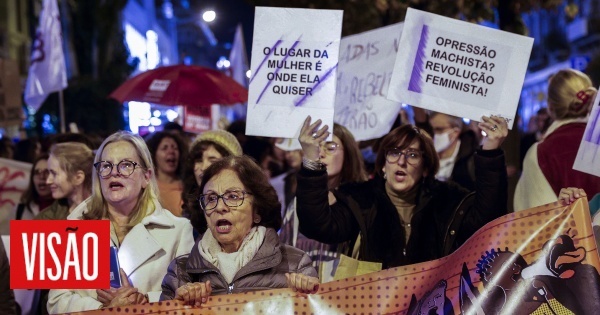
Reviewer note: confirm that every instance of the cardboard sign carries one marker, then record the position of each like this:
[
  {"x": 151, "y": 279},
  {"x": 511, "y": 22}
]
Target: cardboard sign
[
  {"x": 294, "y": 62},
  {"x": 542, "y": 260},
  {"x": 588, "y": 156},
  {"x": 14, "y": 180},
  {"x": 459, "y": 68},
  {"x": 363, "y": 78}
]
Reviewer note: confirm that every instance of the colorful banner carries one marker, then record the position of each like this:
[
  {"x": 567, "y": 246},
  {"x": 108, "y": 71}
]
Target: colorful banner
[
  {"x": 363, "y": 78},
  {"x": 538, "y": 261},
  {"x": 14, "y": 179},
  {"x": 459, "y": 68},
  {"x": 294, "y": 62}
]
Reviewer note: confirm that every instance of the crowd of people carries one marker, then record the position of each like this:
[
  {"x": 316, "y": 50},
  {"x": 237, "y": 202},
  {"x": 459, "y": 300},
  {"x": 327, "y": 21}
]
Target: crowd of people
[{"x": 222, "y": 212}]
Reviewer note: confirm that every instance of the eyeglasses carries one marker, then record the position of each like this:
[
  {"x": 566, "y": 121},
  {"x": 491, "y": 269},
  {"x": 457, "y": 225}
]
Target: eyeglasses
[
  {"x": 231, "y": 198},
  {"x": 329, "y": 147},
  {"x": 41, "y": 173},
  {"x": 124, "y": 168},
  {"x": 413, "y": 157}
]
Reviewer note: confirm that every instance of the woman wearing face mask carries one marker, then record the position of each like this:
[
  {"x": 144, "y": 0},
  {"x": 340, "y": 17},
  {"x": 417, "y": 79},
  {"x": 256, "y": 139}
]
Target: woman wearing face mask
[
  {"x": 403, "y": 215},
  {"x": 38, "y": 195},
  {"x": 207, "y": 148},
  {"x": 69, "y": 178},
  {"x": 168, "y": 154},
  {"x": 343, "y": 161}
]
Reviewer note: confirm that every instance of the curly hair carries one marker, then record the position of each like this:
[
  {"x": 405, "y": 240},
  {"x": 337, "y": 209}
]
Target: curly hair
[
  {"x": 266, "y": 203},
  {"x": 153, "y": 141}
]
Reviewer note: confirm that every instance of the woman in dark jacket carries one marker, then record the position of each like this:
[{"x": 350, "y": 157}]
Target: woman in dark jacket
[
  {"x": 403, "y": 215},
  {"x": 240, "y": 250}
]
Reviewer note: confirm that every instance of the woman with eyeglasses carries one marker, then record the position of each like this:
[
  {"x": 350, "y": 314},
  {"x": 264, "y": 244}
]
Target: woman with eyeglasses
[
  {"x": 403, "y": 215},
  {"x": 344, "y": 164},
  {"x": 38, "y": 195},
  {"x": 147, "y": 236},
  {"x": 240, "y": 251}
]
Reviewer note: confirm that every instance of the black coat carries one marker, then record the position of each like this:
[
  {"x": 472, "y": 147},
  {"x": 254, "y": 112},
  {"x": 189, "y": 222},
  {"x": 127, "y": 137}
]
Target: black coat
[{"x": 445, "y": 216}]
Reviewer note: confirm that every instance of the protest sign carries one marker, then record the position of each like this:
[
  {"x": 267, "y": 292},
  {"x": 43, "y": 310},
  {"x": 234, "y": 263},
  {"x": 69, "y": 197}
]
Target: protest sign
[
  {"x": 459, "y": 68},
  {"x": 363, "y": 77},
  {"x": 588, "y": 156},
  {"x": 542, "y": 260},
  {"x": 14, "y": 179},
  {"x": 294, "y": 62}
]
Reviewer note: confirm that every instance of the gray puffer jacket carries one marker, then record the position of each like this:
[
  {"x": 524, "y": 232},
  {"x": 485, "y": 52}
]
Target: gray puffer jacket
[{"x": 265, "y": 271}]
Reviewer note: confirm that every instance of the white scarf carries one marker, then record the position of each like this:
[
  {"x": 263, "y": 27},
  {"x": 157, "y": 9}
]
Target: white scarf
[{"x": 230, "y": 263}]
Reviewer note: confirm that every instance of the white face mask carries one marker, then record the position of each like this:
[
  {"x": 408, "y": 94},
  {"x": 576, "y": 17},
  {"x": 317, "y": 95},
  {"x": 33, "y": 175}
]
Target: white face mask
[{"x": 441, "y": 141}]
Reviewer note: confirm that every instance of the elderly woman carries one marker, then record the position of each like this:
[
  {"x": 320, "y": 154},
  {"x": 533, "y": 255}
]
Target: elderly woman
[
  {"x": 147, "y": 236},
  {"x": 240, "y": 251},
  {"x": 403, "y": 215},
  {"x": 207, "y": 148},
  {"x": 548, "y": 164}
]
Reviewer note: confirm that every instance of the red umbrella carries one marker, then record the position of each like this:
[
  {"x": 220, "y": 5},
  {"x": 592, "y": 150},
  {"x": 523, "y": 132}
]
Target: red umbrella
[{"x": 189, "y": 86}]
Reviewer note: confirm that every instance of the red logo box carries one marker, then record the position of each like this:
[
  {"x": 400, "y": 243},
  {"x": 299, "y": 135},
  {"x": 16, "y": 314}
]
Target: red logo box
[{"x": 59, "y": 254}]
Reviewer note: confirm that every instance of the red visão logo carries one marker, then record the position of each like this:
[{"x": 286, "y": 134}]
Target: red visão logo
[{"x": 59, "y": 254}]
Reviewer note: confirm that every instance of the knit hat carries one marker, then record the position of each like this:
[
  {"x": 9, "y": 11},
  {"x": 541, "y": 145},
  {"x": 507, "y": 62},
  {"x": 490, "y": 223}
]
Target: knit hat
[{"x": 223, "y": 138}]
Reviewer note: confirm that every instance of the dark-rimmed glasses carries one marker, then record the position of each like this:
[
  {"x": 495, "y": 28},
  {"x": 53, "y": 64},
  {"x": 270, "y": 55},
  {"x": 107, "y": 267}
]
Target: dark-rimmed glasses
[
  {"x": 231, "y": 198},
  {"x": 329, "y": 147},
  {"x": 413, "y": 157},
  {"x": 125, "y": 168}
]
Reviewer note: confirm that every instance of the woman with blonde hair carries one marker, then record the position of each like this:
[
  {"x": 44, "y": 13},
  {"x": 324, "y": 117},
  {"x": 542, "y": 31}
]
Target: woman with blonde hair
[
  {"x": 69, "y": 178},
  {"x": 146, "y": 235},
  {"x": 548, "y": 165}
]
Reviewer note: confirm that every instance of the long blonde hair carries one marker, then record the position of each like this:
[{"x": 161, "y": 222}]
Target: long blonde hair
[
  {"x": 570, "y": 94},
  {"x": 97, "y": 206}
]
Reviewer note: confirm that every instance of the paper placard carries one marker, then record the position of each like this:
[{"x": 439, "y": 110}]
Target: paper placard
[
  {"x": 294, "y": 62},
  {"x": 459, "y": 68},
  {"x": 363, "y": 78},
  {"x": 588, "y": 156}
]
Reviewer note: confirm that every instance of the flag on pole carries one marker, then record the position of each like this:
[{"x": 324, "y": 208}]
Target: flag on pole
[
  {"x": 237, "y": 58},
  {"x": 47, "y": 70}
]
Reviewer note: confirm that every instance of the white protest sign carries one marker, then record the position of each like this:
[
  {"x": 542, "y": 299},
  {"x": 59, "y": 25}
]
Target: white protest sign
[
  {"x": 459, "y": 68},
  {"x": 588, "y": 156},
  {"x": 363, "y": 78},
  {"x": 294, "y": 62}
]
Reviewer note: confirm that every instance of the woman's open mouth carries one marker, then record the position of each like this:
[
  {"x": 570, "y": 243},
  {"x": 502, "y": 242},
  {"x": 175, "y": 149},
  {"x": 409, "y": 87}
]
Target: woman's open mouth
[{"x": 223, "y": 226}]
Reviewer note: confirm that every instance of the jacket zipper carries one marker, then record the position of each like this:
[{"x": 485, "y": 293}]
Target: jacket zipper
[
  {"x": 454, "y": 218},
  {"x": 230, "y": 288}
]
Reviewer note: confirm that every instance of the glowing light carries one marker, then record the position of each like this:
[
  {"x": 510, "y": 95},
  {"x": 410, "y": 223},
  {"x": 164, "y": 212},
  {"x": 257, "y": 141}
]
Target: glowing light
[
  {"x": 156, "y": 113},
  {"x": 152, "y": 52},
  {"x": 223, "y": 63},
  {"x": 209, "y": 16},
  {"x": 248, "y": 74},
  {"x": 155, "y": 121},
  {"x": 171, "y": 114}
]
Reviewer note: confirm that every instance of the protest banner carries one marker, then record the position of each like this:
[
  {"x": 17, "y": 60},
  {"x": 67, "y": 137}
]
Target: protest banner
[
  {"x": 459, "y": 68},
  {"x": 363, "y": 78},
  {"x": 542, "y": 260},
  {"x": 588, "y": 155},
  {"x": 294, "y": 62},
  {"x": 14, "y": 180}
]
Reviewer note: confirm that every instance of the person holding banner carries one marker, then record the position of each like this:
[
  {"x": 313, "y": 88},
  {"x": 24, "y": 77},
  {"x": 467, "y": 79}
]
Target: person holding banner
[
  {"x": 548, "y": 164},
  {"x": 240, "y": 251},
  {"x": 147, "y": 236},
  {"x": 403, "y": 215}
]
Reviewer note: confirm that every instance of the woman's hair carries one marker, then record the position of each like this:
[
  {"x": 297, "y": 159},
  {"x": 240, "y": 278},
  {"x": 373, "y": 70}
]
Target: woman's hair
[
  {"x": 97, "y": 206},
  {"x": 570, "y": 94},
  {"x": 353, "y": 169},
  {"x": 74, "y": 157},
  {"x": 31, "y": 194},
  {"x": 26, "y": 150},
  {"x": 265, "y": 201},
  {"x": 191, "y": 208},
  {"x": 404, "y": 136},
  {"x": 153, "y": 141}
]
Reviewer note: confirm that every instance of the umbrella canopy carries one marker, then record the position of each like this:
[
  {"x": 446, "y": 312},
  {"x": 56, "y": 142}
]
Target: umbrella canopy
[{"x": 190, "y": 86}]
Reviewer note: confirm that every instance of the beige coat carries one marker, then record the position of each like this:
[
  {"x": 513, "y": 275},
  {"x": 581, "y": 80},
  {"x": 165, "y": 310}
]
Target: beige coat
[{"x": 144, "y": 255}]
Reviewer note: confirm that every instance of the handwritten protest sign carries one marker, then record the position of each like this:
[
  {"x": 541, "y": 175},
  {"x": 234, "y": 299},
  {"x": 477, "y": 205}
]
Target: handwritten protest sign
[
  {"x": 363, "y": 78},
  {"x": 542, "y": 260},
  {"x": 588, "y": 156},
  {"x": 294, "y": 62},
  {"x": 459, "y": 68},
  {"x": 14, "y": 179}
]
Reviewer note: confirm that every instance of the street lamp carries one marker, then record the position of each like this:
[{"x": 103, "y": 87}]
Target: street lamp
[{"x": 209, "y": 16}]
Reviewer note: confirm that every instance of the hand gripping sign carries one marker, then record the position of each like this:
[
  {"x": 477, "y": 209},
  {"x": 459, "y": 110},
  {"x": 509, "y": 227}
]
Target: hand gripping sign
[{"x": 59, "y": 254}]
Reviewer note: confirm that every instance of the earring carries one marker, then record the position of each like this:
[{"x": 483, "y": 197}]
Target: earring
[
  {"x": 256, "y": 220},
  {"x": 384, "y": 176}
]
